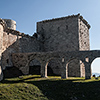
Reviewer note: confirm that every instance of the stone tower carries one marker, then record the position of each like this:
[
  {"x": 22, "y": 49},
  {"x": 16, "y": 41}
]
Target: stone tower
[
  {"x": 8, "y": 42},
  {"x": 10, "y": 23},
  {"x": 69, "y": 33}
]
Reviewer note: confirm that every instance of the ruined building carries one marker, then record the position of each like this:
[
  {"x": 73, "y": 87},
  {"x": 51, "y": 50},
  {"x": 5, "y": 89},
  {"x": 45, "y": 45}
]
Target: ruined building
[{"x": 69, "y": 33}]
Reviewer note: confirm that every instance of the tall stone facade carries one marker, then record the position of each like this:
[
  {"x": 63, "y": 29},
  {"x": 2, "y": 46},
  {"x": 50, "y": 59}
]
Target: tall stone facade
[
  {"x": 84, "y": 43},
  {"x": 65, "y": 34},
  {"x": 69, "y": 33}
]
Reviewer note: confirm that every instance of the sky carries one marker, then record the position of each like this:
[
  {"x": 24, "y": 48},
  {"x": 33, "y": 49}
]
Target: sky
[{"x": 27, "y": 13}]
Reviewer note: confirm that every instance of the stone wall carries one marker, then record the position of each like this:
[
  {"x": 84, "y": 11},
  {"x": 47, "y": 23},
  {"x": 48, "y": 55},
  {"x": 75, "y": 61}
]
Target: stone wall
[
  {"x": 10, "y": 45},
  {"x": 84, "y": 43},
  {"x": 1, "y": 38},
  {"x": 59, "y": 34},
  {"x": 13, "y": 41},
  {"x": 29, "y": 45},
  {"x": 1, "y": 42},
  {"x": 9, "y": 42}
]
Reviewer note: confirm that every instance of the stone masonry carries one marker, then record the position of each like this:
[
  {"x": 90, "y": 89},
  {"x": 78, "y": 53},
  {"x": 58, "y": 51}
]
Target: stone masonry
[
  {"x": 69, "y": 33},
  {"x": 22, "y": 60},
  {"x": 65, "y": 34}
]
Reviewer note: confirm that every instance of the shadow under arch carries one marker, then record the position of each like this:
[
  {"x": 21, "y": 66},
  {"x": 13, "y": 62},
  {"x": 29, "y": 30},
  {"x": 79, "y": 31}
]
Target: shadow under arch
[
  {"x": 34, "y": 66},
  {"x": 75, "y": 67},
  {"x": 95, "y": 66},
  {"x": 53, "y": 66}
]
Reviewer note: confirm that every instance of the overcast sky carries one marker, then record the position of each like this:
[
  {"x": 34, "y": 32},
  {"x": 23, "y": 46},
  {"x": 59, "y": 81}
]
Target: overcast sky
[{"x": 27, "y": 12}]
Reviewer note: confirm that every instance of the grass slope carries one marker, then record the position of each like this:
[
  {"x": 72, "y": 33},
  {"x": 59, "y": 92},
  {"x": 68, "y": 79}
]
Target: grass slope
[{"x": 32, "y": 87}]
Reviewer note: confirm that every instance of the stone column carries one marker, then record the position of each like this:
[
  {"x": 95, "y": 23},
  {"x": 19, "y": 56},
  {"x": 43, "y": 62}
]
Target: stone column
[
  {"x": 43, "y": 69},
  {"x": 1, "y": 42},
  {"x": 1, "y": 74},
  {"x": 64, "y": 71},
  {"x": 87, "y": 70}
]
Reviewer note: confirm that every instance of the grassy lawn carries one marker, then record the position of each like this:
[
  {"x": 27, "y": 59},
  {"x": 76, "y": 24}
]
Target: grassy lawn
[{"x": 33, "y": 87}]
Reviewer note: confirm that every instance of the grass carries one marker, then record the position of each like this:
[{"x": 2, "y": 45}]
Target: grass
[{"x": 33, "y": 87}]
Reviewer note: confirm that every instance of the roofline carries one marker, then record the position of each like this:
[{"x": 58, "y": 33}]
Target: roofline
[
  {"x": 66, "y": 17},
  {"x": 85, "y": 22}
]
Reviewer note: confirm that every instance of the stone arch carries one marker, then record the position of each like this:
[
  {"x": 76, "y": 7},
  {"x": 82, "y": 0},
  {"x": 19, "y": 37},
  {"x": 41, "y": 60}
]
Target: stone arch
[
  {"x": 95, "y": 66},
  {"x": 75, "y": 67},
  {"x": 34, "y": 61},
  {"x": 34, "y": 58},
  {"x": 34, "y": 66},
  {"x": 54, "y": 64}
]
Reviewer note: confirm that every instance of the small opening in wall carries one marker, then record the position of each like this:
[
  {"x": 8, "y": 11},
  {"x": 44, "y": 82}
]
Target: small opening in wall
[
  {"x": 58, "y": 28},
  {"x": 84, "y": 42},
  {"x": 35, "y": 35},
  {"x": 62, "y": 59},
  {"x": 66, "y": 27},
  {"x": 7, "y": 61},
  {"x": 87, "y": 59}
]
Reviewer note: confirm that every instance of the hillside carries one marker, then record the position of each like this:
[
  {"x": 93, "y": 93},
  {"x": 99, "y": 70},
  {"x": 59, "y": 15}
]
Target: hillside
[
  {"x": 96, "y": 74},
  {"x": 32, "y": 87}
]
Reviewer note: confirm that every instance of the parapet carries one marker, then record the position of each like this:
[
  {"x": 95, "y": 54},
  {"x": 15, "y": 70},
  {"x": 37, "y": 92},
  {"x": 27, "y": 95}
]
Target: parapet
[{"x": 10, "y": 23}]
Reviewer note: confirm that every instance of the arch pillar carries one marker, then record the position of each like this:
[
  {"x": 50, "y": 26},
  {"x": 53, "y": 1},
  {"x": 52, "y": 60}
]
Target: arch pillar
[
  {"x": 43, "y": 69},
  {"x": 1, "y": 74},
  {"x": 2, "y": 27},
  {"x": 87, "y": 70},
  {"x": 64, "y": 71}
]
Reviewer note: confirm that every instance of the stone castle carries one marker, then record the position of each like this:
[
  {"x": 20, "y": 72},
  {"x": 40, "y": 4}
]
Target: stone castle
[{"x": 69, "y": 33}]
